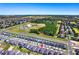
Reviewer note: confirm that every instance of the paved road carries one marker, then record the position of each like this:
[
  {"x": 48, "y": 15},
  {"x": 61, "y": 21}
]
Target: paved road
[
  {"x": 69, "y": 48},
  {"x": 69, "y": 38}
]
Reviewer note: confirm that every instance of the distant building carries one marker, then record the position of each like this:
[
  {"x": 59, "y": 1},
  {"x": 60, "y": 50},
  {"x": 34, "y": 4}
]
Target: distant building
[{"x": 29, "y": 25}]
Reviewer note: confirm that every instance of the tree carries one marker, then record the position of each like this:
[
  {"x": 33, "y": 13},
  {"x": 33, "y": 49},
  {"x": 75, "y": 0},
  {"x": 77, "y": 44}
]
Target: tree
[
  {"x": 34, "y": 31},
  {"x": 49, "y": 29}
]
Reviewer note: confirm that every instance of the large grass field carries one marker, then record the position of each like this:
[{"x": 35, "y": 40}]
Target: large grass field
[
  {"x": 22, "y": 28},
  {"x": 16, "y": 29}
]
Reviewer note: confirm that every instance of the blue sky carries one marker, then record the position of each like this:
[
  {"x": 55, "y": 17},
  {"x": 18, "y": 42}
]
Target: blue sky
[{"x": 39, "y": 9}]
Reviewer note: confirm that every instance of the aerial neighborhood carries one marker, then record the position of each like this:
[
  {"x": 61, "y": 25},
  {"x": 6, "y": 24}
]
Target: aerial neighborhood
[{"x": 39, "y": 35}]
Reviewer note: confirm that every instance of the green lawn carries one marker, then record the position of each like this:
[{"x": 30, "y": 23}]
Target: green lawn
[{"x": 4, "y": 45}]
